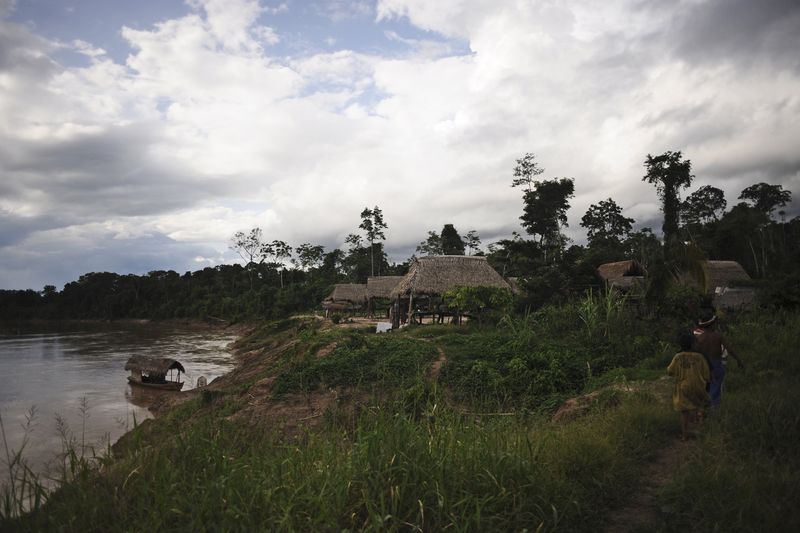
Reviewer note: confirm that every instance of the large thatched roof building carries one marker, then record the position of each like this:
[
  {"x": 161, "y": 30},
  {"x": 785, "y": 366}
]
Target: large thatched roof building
[
  {"x": 435, "y": 274},
  {"x": 622, "y": 275},
  {"x": 382, "y": 286}
]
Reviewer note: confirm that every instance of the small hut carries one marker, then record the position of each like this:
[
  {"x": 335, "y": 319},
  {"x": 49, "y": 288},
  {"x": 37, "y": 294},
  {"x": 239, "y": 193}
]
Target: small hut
[
  {"x": 721, "y": 282},
  {"x": 153, "y": 372},
  {"x": 624, "y": 276},
  {"x": 430, "y": 277},
  {"x": 346, "y": 297},
  {"x": 380, "y": 288}
]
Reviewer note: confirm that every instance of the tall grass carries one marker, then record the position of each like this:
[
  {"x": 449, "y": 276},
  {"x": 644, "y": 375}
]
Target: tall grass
[
  {"x": 26, "y": 490},
  {"x": 743, "y": 474},
  {"x": 386, "y": 471},
  {"x": 412, "y": 460}
]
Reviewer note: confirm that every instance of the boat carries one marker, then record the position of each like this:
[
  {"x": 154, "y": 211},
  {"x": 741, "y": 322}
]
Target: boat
[{"x": 155, "y": 372}]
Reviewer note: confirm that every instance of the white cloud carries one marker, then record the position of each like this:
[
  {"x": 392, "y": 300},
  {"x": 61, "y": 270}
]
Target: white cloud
[{"x": 202, "y": 132}]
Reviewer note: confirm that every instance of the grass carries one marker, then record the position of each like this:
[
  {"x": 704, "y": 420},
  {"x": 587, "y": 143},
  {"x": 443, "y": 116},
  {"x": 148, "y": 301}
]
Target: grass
[
  {"x": 410, "y": 459},
  {"x": 387, "y": 471},
  {"x": 743, "y": 473}
]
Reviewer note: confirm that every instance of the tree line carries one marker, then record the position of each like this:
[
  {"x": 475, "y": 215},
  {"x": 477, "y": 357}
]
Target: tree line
[{"x": 277, "y": 279}]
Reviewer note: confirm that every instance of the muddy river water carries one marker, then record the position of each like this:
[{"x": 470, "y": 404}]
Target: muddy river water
[{"x": 73, "y": 383}]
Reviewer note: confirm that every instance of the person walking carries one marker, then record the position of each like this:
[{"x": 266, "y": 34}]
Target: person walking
[
  {"x": 711, "y": 343},
  {"x": 691, "y": 374}
]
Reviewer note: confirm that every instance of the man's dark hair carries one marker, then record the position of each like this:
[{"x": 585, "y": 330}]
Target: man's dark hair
[{"x": 685, "y": 341}]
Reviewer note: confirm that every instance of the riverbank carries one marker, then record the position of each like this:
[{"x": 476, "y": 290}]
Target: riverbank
[{"x": 323, "y": 428}]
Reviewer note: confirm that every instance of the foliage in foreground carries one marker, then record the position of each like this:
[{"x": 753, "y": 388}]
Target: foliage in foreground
[
  {"x": 415, "y": 460},
  {"x": 742, "y": 476},
  {"x": 387, "y": 471}
]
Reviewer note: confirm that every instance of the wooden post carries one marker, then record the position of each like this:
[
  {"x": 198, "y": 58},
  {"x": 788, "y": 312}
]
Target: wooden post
[
  {"x": 395, "y": 313},
  {"x": 410, "y": 307}
]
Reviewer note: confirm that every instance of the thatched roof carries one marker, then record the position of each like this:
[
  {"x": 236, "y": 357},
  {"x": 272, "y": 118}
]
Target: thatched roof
[
  {"x": 153, "y": 365},
  {"x": 348, "y": 292},
  {"x": 381, "y": 286},
  {"x": 721, "y": 273},
  {"x": 620, "y": 269},
  {"x": 717, "y": 274},
  {"x": 435, "y": 274}
]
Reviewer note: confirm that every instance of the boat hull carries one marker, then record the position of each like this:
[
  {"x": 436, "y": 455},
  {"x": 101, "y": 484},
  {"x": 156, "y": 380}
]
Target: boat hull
[{"x": 169, "y": 385}]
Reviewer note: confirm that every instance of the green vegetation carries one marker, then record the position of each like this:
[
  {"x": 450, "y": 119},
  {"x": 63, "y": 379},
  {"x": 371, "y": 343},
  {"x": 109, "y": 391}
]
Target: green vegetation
[
  {"x": 473, "y": 450},
  {"x": 449, "y": 427},
  {"x": 743, "y": 473}
]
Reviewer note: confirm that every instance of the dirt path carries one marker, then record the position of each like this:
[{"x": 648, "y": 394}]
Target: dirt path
[
  {"x": 641, "y": 512},
  {"x": 436, "y": 367}
]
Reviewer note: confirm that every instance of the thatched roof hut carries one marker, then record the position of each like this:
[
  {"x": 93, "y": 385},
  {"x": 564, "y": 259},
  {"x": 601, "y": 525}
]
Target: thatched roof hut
[
  {"x": 622, "y": 275},
  {"x": 347, "y": 293},
  {"x": 381, "y": 286},
  {"x": 722, "y": 273},
  {"x": 720, "y": 278},
  {"x": 717, "y": 274},
  {"x": 435, "y": 274},
  {"x": 153, "y": 365}
]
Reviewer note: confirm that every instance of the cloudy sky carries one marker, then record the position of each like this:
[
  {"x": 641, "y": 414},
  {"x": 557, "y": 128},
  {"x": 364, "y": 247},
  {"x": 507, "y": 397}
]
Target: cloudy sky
[{"x": 137, "y": 136}]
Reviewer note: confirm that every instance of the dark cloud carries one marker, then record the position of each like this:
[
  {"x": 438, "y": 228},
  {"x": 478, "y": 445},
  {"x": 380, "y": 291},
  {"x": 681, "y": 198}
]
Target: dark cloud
[
  {"x": 15, "y": 229},
  {"x": 738, "y": 30},
  {"x": 92, "y": 175}
]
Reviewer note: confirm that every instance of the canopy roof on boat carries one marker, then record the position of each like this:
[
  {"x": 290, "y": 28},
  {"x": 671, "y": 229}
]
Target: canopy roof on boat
[{"x": 153, "y": 365}]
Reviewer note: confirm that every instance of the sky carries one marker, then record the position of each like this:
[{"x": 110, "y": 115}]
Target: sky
[{"x": 140, "y": 136}]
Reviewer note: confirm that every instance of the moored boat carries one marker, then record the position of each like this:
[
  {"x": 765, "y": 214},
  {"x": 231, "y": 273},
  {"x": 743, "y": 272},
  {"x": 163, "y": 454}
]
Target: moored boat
[{"x": 155, "y": 372}]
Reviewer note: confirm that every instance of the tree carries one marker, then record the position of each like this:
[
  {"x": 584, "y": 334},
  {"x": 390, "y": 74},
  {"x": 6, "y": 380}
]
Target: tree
[
  {"x": 251, "y": 248},
  {"x": 545, "y": 209},
  {"x": 644, "y": 247},
  {"x": 765, "y": 197},
  {"x": 605, "y": 223},
  {"x": 526, "y": 170},
  {"x": 472, "y": 241},
  {"x": 452, "y": 244},
  {"x": 309, "y": 256},
  {"x": 432, "y": 245},
  {"x": 669, "y": 174},
  {"x": 373, "y": 225},
  {"x": 704, "y": 205},
  {"x": 279, "y": 251},
  {"x": 354, "y": 241}
]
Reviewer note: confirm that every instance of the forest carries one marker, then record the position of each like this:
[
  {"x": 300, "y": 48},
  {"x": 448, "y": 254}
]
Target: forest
[{"x": 277, "y": 279}]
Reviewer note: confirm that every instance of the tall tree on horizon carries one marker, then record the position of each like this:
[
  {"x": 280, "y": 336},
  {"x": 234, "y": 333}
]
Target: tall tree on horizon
[
  {"x": 373, "y": 225},
  {"x": 669, "y": 173},
  {"x": 765, "y": 197},
  {"x": 605, "y": 223},
  {"x": 545, "y": 210},
  {"x": 704, "y": 205},
  {"x": 252, "y": 248},
  {"x": 472, "y": 241},
  {"x": 526, "y": 170}
]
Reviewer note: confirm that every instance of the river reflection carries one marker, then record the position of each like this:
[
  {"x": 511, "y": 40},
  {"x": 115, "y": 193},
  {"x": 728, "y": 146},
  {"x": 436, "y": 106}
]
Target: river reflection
[{"x": 79, "y": 377}]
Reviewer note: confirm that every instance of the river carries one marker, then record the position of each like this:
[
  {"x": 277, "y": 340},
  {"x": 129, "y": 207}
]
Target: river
[{"x": 78, "y": 377}]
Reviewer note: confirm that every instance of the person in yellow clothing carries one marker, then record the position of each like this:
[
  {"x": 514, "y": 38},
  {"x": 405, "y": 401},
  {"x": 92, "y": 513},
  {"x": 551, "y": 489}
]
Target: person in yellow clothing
[{"x": 690, "y": 370}]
